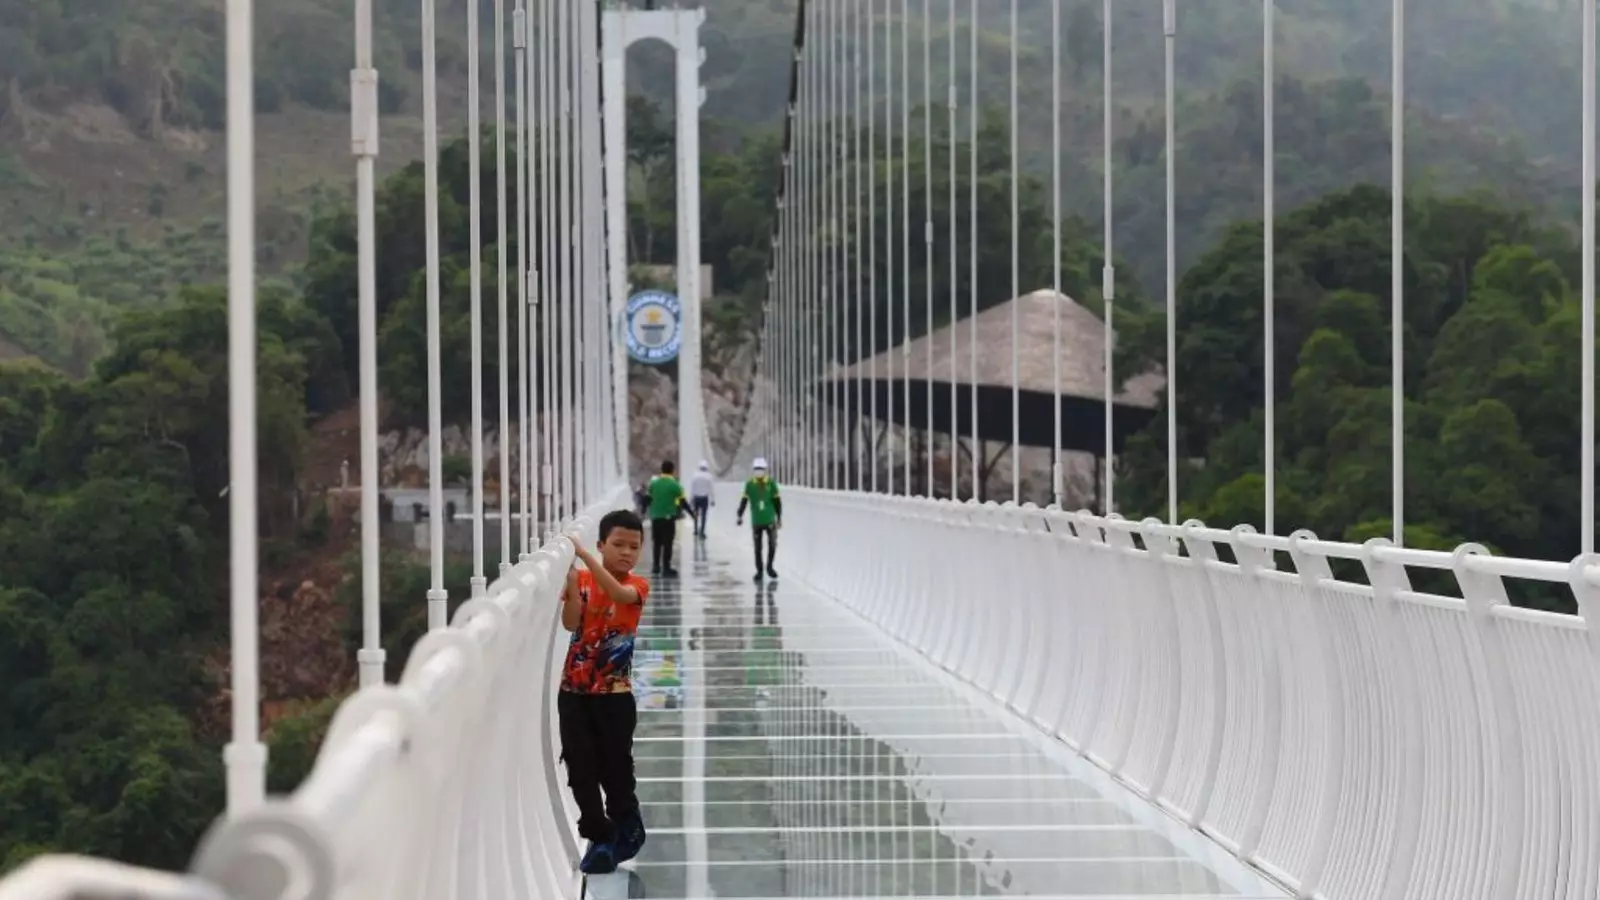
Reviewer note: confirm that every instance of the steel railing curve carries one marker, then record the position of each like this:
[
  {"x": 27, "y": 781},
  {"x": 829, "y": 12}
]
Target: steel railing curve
[
  {"x": 1354, "y": 741},
  {"x": 443, "y": 785}
]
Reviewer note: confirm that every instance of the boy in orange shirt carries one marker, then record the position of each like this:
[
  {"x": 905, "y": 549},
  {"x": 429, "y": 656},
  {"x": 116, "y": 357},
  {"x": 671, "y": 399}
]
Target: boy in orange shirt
[{"x": 601, "y": 606}]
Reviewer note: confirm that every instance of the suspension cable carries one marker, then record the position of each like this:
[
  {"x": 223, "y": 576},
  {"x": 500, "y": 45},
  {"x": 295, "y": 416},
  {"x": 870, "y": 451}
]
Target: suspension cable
[
  {"x": 1108, "y": 276},
  {"x": 872, "y": 243},
  {"x": 1169, "y": 15},
  {"x": 1016, "y": 288},
  {"x": 927, "y": 231},
  {"x": 859, "y": 235},
  {"x": 1057, "y": 474},
  {"x": 1397, "y": 285},
  {"x": 500, "y": 281},
  {"x": 905, "y": 242},
  {"x": 364, "y": 120},
  {"x": 475, "y": 205},
  {"x": 523, "y": 27},
  {"x": 430, "y": 162},
  {"x": 889, "y": 248},
  {"x": 1268, "y": 265},
  {"x": 545, "y": 436},
  {"x": 955, "y": 419},
  {"x": 972, "y": 236},
  {"x": 245, "y": 757},
  {"x": 831, "y": 258}
]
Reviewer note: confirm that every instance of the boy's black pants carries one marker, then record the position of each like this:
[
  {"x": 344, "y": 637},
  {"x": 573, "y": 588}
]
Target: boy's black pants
[
  {"x": 662, "y": 533},
  {"x": 756, "y": 532},
  {"x": 597, "y": 746}
]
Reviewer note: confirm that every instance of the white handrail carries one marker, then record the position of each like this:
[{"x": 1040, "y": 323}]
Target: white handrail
[
  {"x": 81, "y": 878},
  {"x": 1355, "y": 741},
  {"x": 443, "y": 785}
]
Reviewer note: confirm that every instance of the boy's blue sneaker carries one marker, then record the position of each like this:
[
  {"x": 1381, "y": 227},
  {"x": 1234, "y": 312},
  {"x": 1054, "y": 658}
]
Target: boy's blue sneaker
[
  {"x": 630, "y": 838},
  {"x": 600, "y": 860}
]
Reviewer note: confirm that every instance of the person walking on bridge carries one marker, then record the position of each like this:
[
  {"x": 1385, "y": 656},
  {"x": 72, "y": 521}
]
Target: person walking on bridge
[
  {"x": 766, "y": 515},
  {"x": 700, "y": 497},
  {"x": 667, "y": 502}
]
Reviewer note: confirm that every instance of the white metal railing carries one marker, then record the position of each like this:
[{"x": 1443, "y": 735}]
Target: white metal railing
[
  {"x": 1354, "y": 741},
  {"x": 441, "y": 786},
  {"x": 81, "y": 878}
]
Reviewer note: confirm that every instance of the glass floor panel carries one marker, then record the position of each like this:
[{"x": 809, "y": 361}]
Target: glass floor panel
[{"x": 787, "y": 749}]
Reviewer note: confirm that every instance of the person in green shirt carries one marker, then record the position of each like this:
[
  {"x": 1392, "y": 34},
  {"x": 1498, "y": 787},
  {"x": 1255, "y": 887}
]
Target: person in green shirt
[
  {"x": 667, "y": 500},
  {"x": 766, "y": 515}
]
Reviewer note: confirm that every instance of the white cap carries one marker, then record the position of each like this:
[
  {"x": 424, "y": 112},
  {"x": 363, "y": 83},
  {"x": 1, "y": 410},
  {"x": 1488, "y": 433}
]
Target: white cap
[
  {"x": 704, "y": 465},
  {"x": 760, "y": 464}
]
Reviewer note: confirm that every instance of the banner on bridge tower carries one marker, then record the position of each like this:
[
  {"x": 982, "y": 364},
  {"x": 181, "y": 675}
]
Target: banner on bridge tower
[{"x": 654, "y": 323}]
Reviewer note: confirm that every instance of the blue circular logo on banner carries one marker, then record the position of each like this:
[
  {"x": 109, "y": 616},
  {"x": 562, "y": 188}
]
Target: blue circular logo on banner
[{"x": 655, "y": 327}]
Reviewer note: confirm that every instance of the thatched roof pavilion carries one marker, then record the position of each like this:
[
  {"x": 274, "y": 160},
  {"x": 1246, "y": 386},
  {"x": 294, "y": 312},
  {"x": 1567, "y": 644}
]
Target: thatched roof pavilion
[{"x": 1083, "y": 338}]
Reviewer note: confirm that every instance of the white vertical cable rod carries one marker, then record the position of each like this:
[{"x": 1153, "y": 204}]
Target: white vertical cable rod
[
  {"x": 1057, "y": 475},
  {"x": 589, "y": 293},
  {"x": 566, "y": 240},
  {"x": 831, "y": 259},
  {"x": 520, "y": 42},
  {"x": 858, "y": 236},
  {"x": 785, "y": 445},
  {"x": 808, "y": 230},
  {"x": 1269, "y": 261},
  {"x": 475, "y": 205},
  {"x": 818, "y": 207},
  {"x": 1108, "y": 273},
  {"x": 841, "y": 331},
  {"x": 1016, "y": 286},
  {"x": 841, "y": 279},
  {"x": 500, "y": 281},
  {"x": 577, "y": 228},
  {"x": 872, "y": 244},
  {"x": 845, "y": 231},
  {"x": 791, "y": 242},
  {"x": 972, "y": 250},
  {"x": 245, "y": 757},
  {"x": 430, "y": 163},
  {"x": 544, "y": 422},
  {"x": 905, "y": 238},
  {"x": 364, "y": 131},
  {"x": 599, "y": 295},
  {"x": 890, "y": 352},
  {"x": 950, "y": 104},
  {"x": 539, "y": 268},
  {"x": 1587, "y": 455},
  {"x": 927, "y": 229},
  {"x": 1169, "y": 23},
  {"x": 1397, "y": 258},
  {"x": 800, "y": 262},
  {"x": 550, "y": 308}
]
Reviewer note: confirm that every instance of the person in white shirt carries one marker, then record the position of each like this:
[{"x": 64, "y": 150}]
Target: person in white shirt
[{"x": 700, "y": 497}]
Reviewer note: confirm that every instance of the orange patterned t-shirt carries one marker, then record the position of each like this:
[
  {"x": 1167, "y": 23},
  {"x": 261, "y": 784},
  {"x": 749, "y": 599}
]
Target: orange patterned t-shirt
[{"x": 600, "y": 657}]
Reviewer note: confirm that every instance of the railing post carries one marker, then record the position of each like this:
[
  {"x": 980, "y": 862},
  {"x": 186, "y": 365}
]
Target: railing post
[
  {"x": 1252, "y": 563},
  {"x": 1203, "y": 552},
  {"x": 1119, "y": 545},
  {"x": 1158, "y": 547},
  {"x": 1484, "y": 593},
  {"x": 1387, "y": 580},
  {"x": 1313, "y": 570}
]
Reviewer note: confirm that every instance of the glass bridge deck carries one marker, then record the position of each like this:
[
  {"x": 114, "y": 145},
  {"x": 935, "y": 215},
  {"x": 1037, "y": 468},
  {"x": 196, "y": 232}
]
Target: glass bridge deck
[{"x": 787, "y": 749}]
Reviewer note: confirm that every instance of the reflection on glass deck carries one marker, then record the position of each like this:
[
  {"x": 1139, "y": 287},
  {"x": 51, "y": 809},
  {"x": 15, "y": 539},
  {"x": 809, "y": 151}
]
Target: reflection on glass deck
[{"x": 786, "y": 749}]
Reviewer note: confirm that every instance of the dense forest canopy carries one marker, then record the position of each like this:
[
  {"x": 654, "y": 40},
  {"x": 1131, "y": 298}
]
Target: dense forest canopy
[{"x": 1491, "y": 377}]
